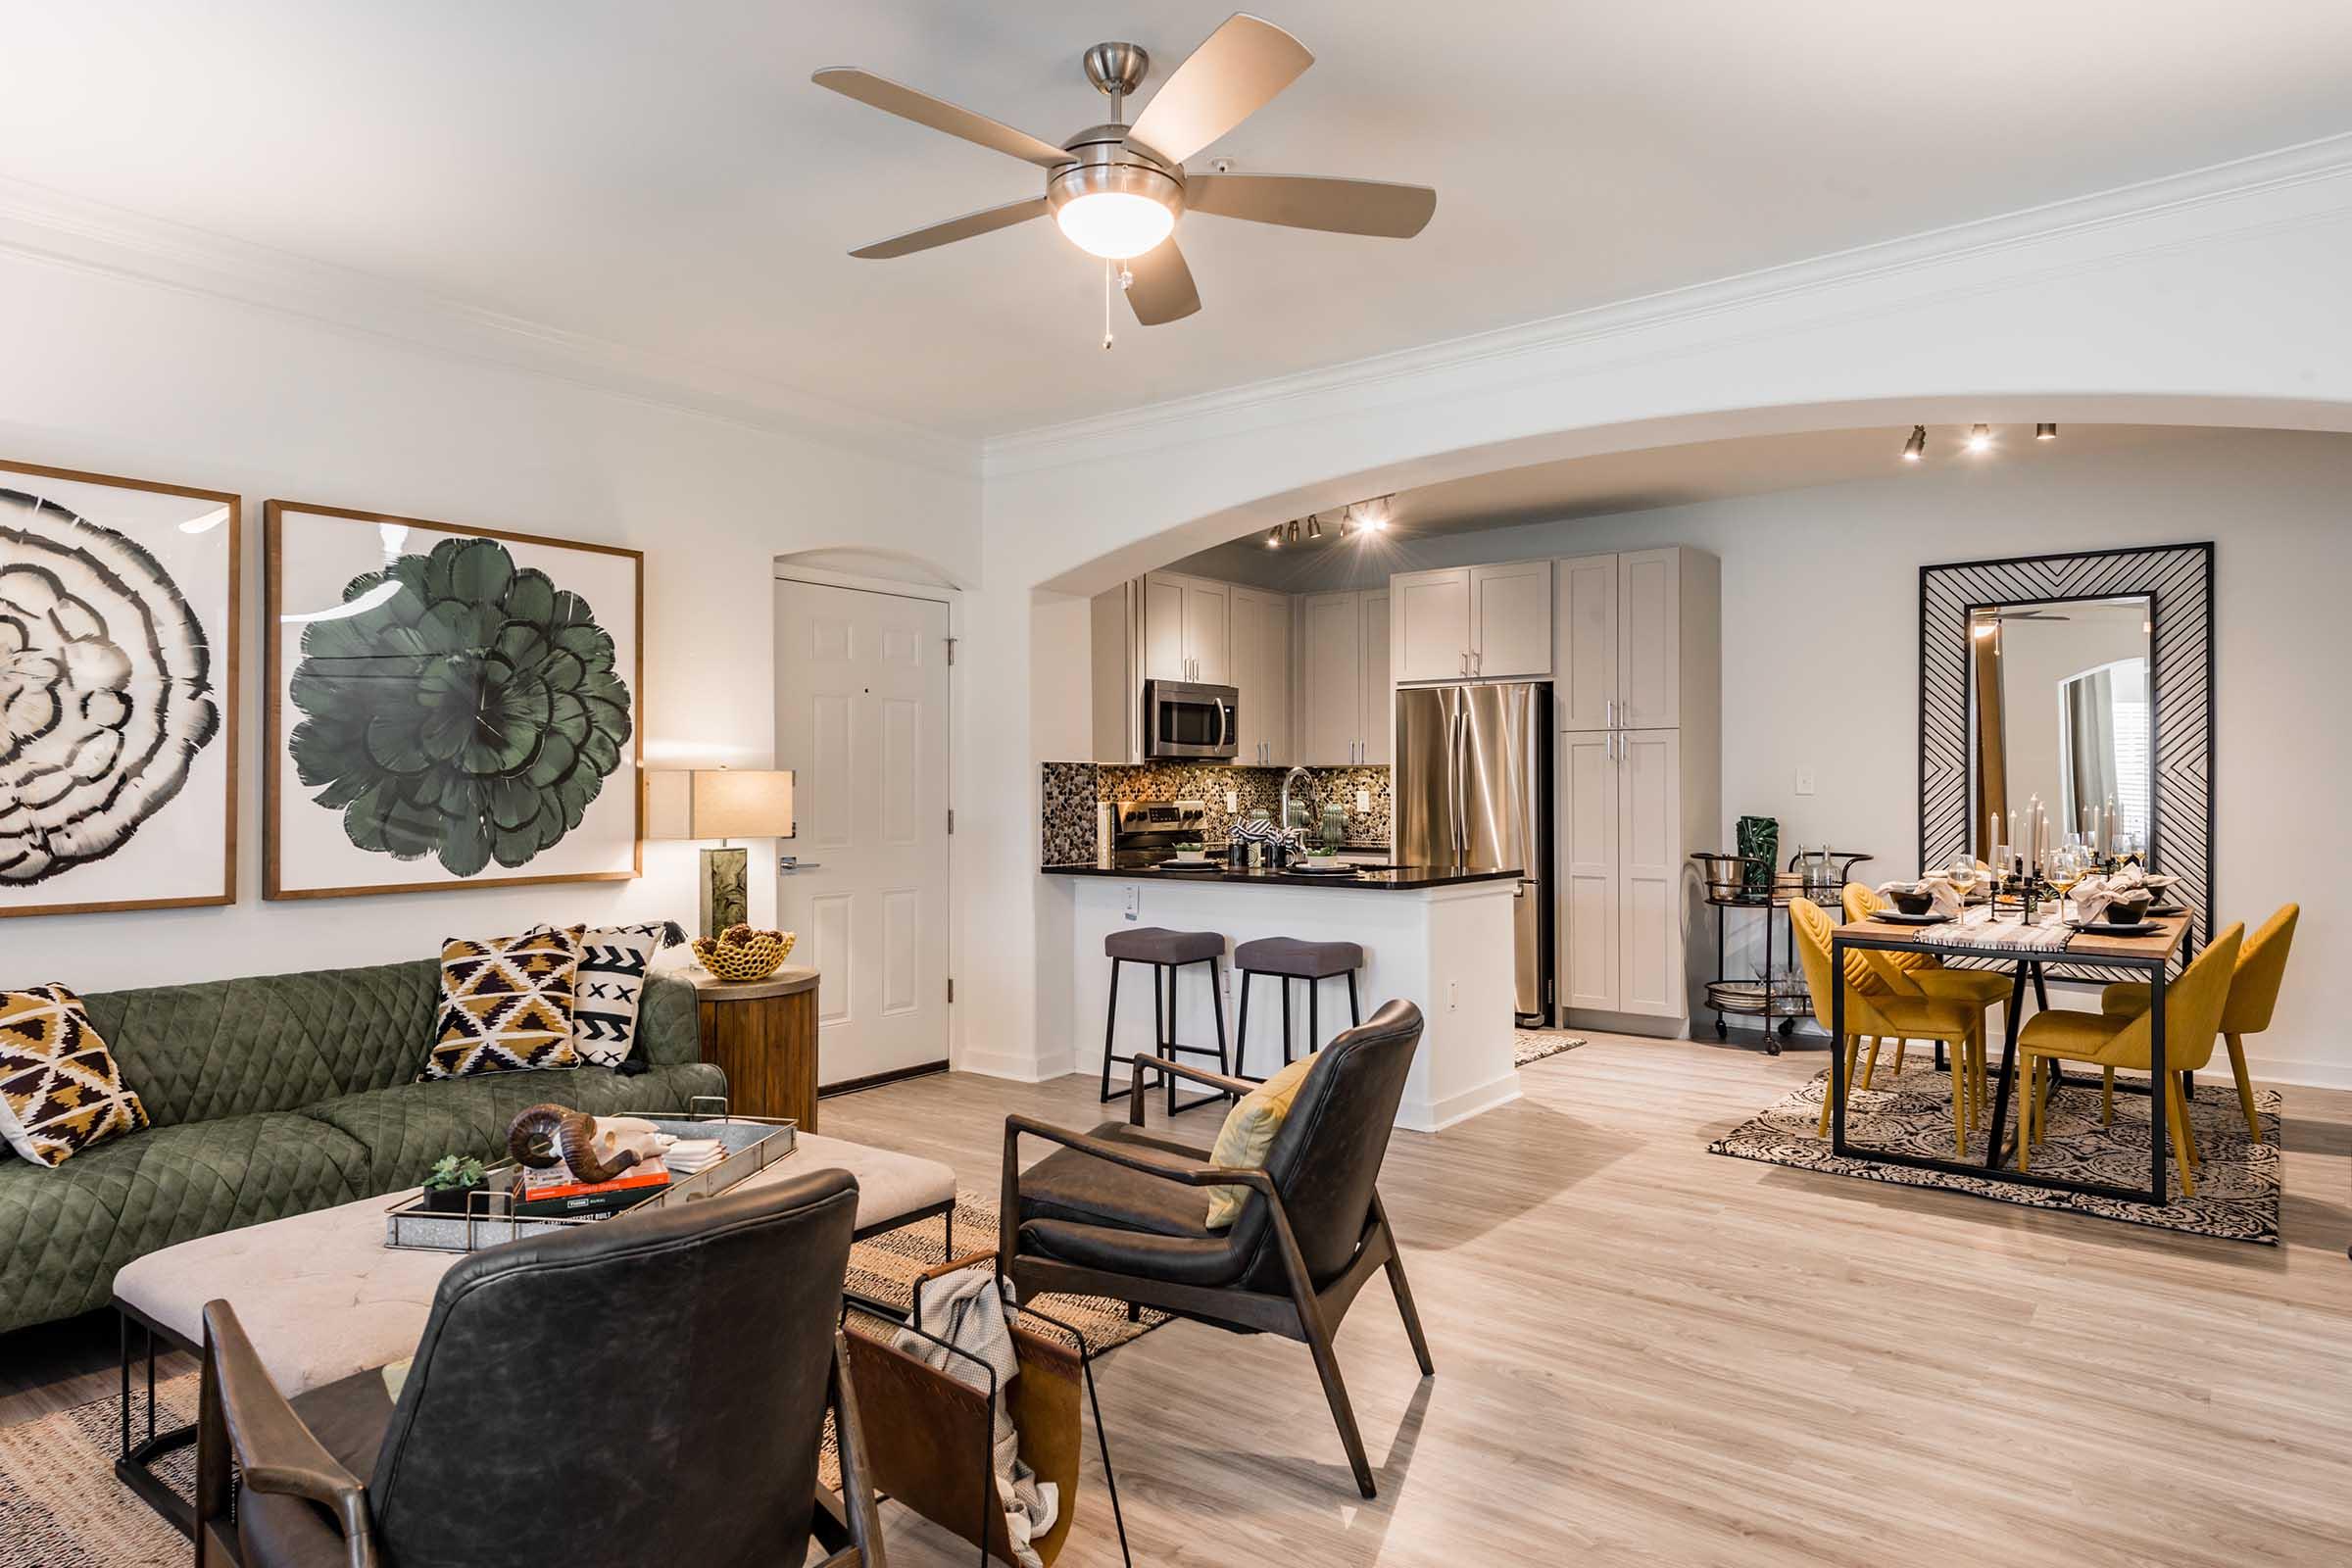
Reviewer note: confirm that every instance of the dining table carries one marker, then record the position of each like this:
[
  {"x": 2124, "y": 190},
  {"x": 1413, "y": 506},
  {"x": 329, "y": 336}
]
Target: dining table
[{"x": 1991, "y": 932}]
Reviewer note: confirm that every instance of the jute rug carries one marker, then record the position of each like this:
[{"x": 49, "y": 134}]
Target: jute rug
[
  {"x": 1534, "y": 1044},
  {"x": 62, "y": 1507},
  {"x": 2237, "y": 1179}
]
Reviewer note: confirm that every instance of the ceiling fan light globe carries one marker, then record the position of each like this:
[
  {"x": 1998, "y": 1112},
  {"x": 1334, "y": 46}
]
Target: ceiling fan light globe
[{"x": 1116, "y": 225}]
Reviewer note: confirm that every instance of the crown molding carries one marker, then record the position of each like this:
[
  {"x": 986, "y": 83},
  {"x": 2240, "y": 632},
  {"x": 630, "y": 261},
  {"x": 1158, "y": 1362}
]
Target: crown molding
[
  {"x": 1306, "y": 395},
  {"x": 48, "y": 226}
]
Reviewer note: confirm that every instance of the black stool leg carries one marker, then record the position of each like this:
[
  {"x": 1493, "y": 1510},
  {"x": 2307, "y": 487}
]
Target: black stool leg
[
  {"x": 1216, "y": 1001},
  {"x": 1286, "y": 1020},
  {"x": 1110, "y": 1030},
  {"x": 1353, "y": 1017},
  {"x": 1240, "y": 1029},
  {"x": 1314, "y": 1016},
  {"x": 1167, "y": 1042}
]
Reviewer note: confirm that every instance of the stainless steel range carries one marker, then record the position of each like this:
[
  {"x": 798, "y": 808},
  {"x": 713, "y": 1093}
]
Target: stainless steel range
[{"x": 1144, "y": 832}]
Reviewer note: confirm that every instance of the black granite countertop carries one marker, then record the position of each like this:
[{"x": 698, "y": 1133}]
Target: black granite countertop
[{"x": 1398, "y": 879}]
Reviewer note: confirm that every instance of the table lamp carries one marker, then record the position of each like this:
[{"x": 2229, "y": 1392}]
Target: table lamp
[{"x": 722, "y": 803}]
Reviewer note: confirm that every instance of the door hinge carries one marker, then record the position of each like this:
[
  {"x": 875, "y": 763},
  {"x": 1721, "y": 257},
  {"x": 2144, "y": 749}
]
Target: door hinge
[
  {"x": 951, "y": 990},
  {"x": 950, "y": 821},
  {"x": 951, "y": 653}
]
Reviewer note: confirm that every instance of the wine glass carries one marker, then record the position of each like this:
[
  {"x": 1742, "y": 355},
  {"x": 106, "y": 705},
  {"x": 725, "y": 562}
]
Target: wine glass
[{"x": 2067, "y": 867}]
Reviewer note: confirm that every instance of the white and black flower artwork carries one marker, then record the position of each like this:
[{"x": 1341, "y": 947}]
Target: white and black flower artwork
[{"x": 110, "y": 696}]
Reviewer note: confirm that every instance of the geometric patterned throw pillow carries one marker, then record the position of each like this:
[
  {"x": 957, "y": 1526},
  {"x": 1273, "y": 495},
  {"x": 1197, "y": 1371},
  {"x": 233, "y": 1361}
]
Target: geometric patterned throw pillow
[
  {"x": 506, "y": 1004},
  {"x": 59, "y": 1090},
  {"x": 613, "y": 961}
]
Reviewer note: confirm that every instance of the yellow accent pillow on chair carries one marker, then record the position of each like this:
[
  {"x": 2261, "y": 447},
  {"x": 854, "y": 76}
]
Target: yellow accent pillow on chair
[{"x": 1248, "y": 1132}]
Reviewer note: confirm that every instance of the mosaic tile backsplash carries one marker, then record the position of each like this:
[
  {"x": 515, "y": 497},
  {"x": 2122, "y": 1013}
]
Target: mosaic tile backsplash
[{"x": 1071, "y": 791}]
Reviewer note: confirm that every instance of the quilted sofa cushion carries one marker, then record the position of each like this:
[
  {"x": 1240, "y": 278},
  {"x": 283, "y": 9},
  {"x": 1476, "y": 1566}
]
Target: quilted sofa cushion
[
  {"x": 63, "y": 1232},
  {"x": 404, "y": 1129}
]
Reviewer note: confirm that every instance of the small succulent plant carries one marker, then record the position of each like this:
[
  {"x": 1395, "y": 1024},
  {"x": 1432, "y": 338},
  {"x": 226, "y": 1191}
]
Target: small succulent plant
[{"x": 450, "y": 1174}]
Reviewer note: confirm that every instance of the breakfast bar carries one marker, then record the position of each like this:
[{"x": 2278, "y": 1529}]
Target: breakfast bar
[{"x": 1441, "y": 939}]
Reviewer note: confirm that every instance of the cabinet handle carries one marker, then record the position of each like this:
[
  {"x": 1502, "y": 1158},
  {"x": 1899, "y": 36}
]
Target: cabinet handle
[{"x": 1611, "y": 721}]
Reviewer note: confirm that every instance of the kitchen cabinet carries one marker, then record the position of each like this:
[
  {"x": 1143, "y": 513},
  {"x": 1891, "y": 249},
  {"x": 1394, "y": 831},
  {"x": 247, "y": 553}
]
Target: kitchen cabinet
[
  {"x": 1344, "y": 715},
  {"x": 1491, "y": 622},
  {"x": 1620, "y": 646},
  {"x": 1187, "y": 629},
  {"x": 1584, "y": 673},
  {"x": 1262, "y": 673}
]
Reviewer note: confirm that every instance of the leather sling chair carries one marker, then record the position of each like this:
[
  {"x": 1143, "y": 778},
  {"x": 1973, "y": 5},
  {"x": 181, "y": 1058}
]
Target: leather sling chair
[
  {"x": 647, "y": 1389},
  {"x": 1117, "y": 1213}
]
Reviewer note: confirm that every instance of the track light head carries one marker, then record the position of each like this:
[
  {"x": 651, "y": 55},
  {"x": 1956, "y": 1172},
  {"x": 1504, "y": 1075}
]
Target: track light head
[
  {"x": 1314, "y": 525},
  {"x": 1980, "y": 439},
  {"x": 1274, "y": 537},
  {"x": 2045, "y": 431},
  {"x": 1916, "y": 447}
]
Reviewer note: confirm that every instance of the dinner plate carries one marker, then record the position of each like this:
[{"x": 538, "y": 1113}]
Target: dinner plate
[
  {"x": 1310, "y": 869},
  {"x": 2108, "y": 928},
  {"x": 1898, "y": 917},
  {"x": 2168, "y": 910}
]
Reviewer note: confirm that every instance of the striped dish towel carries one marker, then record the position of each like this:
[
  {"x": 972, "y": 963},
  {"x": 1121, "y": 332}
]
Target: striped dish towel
[{"x": 1981, "y": 929}]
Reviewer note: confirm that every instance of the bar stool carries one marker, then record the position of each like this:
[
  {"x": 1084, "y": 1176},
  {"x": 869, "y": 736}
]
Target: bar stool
[
  {"x": 1294, "y": 960},
  {"x": 1165, "y": 952}
]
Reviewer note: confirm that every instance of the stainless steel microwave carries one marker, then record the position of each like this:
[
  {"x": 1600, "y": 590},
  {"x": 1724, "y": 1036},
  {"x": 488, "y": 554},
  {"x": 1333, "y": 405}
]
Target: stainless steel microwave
[{"x": 1185, "y": 718}]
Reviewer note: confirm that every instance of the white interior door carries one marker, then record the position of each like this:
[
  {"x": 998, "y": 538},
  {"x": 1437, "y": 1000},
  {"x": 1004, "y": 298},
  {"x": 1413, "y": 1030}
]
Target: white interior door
[
  {"x": 861, "y": 718},
  {"x": 1649, "y": 934},
  {"x": 1589, "y": 847}
]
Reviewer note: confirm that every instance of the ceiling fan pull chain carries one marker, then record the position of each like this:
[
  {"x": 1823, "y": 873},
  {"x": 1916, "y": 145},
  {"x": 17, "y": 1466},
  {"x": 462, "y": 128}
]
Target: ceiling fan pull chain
[{"x": 1106, "y": 267}]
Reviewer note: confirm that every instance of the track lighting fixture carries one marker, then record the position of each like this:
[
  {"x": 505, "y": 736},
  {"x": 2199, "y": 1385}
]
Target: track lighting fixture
[
  {"x": 1274, "y": 537},
  {"x": 1314, "y": 525},
  {"x": 2045, "y": 431},
  {"x": 1980, "y": 439},
  {"x": 1916, "y": 447}
]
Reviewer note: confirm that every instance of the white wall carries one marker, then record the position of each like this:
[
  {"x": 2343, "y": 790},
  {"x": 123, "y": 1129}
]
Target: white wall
[
  {"x": 2212, "y": 300},
  {"x": 126, "y": 377}
]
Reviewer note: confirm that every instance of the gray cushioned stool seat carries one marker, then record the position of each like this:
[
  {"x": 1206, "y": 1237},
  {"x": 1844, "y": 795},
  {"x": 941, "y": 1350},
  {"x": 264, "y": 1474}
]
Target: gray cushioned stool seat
[
  {"x": 1301, "y": 960},
  {"x": 1156, "y": 943}
]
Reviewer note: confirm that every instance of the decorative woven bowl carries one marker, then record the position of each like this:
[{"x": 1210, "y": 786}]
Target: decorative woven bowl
[{"x": 740, "y": 953}]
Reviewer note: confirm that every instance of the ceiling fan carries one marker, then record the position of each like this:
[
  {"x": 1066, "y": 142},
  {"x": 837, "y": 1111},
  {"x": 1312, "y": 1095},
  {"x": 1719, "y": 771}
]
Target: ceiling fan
[{"x": 1116, "y": 190}]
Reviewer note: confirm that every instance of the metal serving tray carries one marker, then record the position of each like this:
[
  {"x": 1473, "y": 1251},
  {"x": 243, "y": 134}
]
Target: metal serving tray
[{"x": 754, "y": 1143}]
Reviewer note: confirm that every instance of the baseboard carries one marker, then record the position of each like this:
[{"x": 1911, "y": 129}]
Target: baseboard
[
  {"x": 2297, "y": 1072},
  {"x": 1457, "y": 1109},
  {"x": 1017, "y": 1068},
  {"x": 876, "y": 1080}
]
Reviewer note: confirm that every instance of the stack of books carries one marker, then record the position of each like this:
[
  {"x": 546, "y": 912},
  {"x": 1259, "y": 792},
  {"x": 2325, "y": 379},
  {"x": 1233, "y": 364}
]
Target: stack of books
[{"x": 554, "y": 1193}]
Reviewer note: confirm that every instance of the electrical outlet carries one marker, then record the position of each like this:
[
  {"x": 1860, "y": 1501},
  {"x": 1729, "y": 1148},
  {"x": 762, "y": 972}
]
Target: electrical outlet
[
  {"x": 1135, "y": 901},
  {"x": 1363, "y": 803},
  {"x": 1233, "y": 802},
  {"x": 1804, "y": 781}
]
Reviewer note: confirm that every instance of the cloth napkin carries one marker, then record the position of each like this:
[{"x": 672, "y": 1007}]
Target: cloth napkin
[
  {"x": 690, "y": 1154},
  {"x": 1935, "y": 885},
  {"x": 2093, "y": 893}
]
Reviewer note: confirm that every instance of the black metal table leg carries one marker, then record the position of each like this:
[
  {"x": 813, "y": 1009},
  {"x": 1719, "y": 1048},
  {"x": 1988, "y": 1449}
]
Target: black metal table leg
[
  {"x": 1996, "y": 1136},
  {"x": 2159, "y": 1103}
]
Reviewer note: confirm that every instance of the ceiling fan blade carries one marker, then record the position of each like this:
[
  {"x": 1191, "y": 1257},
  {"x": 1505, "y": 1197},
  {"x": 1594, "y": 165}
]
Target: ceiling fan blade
[
  {"x": 1306, "y": 201},
  {"x": 987, "y": 221},
  {"x": 939, "y": 115},
  {"x": 1162, "y": 290},
  {"x": 1235, "y": 73}
]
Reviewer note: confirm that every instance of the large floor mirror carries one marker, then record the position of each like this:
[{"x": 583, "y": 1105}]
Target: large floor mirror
[{"x": 2081, "y": 682}]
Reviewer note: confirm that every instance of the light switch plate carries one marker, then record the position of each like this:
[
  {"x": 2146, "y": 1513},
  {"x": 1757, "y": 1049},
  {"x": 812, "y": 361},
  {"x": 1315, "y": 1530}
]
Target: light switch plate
[
  {"x": 1233, "y": 802},
  {"x": 1135, "y": 901},
  {"x": 1363, "y": 802},
  {"x": 1804, "y": 781}
]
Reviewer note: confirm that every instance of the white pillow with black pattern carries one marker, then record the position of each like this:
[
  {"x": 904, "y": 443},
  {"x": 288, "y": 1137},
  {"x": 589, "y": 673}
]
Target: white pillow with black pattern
[{"x": 613, "y": 961}]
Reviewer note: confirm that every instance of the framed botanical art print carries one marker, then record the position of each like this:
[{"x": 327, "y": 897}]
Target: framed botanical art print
[
  {"x": 118, "y": 617},
  {"x": 448, "y": 707}
]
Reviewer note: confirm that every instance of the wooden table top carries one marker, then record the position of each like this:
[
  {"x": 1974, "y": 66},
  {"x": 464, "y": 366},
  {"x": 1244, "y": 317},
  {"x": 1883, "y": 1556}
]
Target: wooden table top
[{"x": 2084, "y": 944}]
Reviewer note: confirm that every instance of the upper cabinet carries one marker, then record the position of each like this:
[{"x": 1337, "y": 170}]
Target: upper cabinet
[
  {"x": 1343, "y": 679},
  {"x": 1473, "y": 623},
  {"x": 1187, "y": 629},
  {"x": 1262, "y": 673},
  {"x": 1625, "y": 635}
]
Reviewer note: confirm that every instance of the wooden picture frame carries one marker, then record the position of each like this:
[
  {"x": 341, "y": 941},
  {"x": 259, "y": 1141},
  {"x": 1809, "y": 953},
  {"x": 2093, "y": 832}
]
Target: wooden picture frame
[
  {"x": 160, "y": 827},
  {"x": 283, "y": 868}
]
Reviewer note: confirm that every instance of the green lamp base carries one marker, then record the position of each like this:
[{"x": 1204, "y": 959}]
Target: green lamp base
[{"x": 726, "y": 899}]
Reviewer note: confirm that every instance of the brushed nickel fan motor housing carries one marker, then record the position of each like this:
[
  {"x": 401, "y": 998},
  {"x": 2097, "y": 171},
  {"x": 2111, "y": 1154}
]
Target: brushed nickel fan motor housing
[
  {"x": 1117, "y": 68},
  {"x": 1107, "y": 161}
]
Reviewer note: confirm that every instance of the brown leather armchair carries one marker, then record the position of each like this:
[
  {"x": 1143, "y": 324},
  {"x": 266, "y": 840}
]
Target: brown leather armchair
[
  {"x": 647, "y": 1391},
  {"x": 1121, "y": 1213}
]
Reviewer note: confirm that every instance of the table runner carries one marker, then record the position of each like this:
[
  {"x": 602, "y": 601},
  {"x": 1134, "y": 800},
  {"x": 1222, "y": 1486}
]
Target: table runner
[{"x": 1981, "y": 928}]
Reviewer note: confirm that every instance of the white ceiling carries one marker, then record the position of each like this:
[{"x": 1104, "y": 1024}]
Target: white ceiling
[{"x": 665, "y": 178}]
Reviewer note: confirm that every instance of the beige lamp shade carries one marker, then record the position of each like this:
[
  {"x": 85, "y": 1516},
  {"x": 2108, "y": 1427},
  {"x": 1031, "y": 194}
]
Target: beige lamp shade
[{"x": 721, "y": 803}]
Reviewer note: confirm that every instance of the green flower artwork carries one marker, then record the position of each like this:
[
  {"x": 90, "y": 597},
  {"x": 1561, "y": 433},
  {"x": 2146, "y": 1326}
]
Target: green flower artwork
[{"x": 470, "y": 710}]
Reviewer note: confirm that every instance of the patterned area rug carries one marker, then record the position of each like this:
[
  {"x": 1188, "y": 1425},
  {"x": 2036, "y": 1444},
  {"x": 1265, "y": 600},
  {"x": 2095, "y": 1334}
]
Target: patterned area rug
[
  {"x": 62, "y": 1507},
  {"x": 2237, "y": 1180},
  {"x": 1534, "y": 1044}
]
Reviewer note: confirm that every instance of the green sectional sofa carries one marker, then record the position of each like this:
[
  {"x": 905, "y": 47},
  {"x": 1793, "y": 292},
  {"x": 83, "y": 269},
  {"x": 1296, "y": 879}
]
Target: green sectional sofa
[{"x": 280, "y": 1093}]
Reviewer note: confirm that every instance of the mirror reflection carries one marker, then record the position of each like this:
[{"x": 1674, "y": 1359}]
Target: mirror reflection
[{"x": 2060, "y": 717}]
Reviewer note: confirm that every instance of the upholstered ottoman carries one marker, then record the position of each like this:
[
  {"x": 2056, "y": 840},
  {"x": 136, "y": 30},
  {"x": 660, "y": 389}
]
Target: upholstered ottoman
[{"x": 322, "y": 1297}]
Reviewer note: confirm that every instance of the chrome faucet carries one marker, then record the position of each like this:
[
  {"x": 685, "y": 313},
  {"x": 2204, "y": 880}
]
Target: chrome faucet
[{"x": 1295, "y": 772}]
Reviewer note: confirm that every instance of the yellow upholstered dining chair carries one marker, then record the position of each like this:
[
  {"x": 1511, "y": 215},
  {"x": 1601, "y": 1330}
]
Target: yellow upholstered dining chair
[
  {"x": 2192, "y": 1016},
  {"x": 2253, "y": 993},
  {"x": 1982, "y": 990},
  {"x": 1893, "y": 1011}
]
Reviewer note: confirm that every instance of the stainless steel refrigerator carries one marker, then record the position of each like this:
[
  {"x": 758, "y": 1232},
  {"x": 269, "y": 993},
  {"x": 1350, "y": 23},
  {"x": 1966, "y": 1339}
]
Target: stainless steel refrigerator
[{"x": 1473, "y": 785}]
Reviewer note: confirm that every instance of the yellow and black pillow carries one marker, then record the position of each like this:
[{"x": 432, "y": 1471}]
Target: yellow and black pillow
[
  {"x": 59, "y": 1090},
  {"x": 506, "y": 1004}
]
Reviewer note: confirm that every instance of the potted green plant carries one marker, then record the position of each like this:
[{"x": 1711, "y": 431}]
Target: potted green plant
[{"x": 451, "y": 1181}]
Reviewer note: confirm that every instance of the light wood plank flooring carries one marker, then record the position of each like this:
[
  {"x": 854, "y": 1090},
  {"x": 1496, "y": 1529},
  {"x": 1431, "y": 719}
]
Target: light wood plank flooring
[{"x": 1647, "y": 1354}]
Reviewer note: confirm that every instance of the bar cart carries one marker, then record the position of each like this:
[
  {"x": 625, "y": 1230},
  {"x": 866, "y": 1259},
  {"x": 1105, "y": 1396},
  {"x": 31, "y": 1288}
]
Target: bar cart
[{"x": 1747, "y": 882}]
